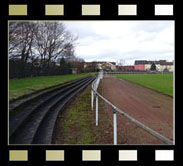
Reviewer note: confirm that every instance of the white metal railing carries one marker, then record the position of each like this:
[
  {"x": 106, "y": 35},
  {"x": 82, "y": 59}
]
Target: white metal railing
[{"x": 95, "y": 94}]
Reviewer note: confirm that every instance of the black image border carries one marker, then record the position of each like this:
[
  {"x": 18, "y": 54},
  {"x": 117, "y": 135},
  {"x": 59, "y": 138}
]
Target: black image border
[{"x": 73, "y": 153}]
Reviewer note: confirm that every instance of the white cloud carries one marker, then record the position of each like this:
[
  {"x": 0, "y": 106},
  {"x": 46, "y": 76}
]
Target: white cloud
[{"x": 127, "y": 40}]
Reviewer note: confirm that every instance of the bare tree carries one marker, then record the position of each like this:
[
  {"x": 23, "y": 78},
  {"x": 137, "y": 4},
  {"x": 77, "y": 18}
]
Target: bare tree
[
  {"x": 53, "y": 41},
  {"x": 21, "y": 38},
  {"x": 38, "y": 45}
]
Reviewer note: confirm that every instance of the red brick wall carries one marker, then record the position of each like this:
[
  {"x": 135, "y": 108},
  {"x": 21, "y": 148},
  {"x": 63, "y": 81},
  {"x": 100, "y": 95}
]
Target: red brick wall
[{"x": 140, "y": 67}]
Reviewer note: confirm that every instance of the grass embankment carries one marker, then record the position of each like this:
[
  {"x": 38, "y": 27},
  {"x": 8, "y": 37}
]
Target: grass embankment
[
  {"x": 20, "y": 87},
  {"x": 159, "y": 82},
  {"x": 76, "y": 124}
]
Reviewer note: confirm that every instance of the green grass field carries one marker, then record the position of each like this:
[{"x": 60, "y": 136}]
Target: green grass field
[
  {"x": 20, "y": 87},
  {"x": 159, "y": 82}
]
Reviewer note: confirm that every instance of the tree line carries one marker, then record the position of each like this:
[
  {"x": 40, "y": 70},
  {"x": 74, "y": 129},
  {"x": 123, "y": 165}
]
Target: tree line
[{"x": 40, "y": 49}]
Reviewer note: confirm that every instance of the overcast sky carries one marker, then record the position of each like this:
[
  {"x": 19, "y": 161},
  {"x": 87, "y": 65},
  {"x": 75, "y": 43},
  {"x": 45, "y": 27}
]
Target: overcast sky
[{"x": 123, "y": 40}]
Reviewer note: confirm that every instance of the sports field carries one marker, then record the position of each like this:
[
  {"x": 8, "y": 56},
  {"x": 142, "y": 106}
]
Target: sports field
[
  {"x": 20, "y": 87},
  {"x": 159, "y": 82}
]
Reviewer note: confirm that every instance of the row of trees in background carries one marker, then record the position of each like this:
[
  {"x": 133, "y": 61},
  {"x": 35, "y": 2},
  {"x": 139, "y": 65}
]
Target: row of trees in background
[{"x": 41, "y": 48}]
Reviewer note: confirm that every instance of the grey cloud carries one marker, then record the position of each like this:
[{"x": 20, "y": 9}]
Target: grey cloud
[{"x": 139, "y": 40}]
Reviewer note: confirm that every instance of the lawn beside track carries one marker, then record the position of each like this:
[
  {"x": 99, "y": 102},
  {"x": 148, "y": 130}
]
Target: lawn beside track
[
  {"x": 76, "y": 123},
  {"x": 159, "y": 82},
  {"x": 25, "y": 86}
]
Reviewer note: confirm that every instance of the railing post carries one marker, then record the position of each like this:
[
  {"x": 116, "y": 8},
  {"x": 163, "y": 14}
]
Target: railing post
[
  {"x": 115, "y": 127},
  {"x": 92, "y": 99},
  {"x": 96, "y": 110}
]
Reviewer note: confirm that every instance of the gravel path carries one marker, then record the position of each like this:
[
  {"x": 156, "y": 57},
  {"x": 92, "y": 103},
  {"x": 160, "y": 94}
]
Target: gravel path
[{"x": 147, "y": 106}]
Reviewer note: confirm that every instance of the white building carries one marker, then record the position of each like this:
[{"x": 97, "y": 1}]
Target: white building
[
  {"x": 167, "y": 66},
  {"x": 161, "y": 65},
  {"x": 148, "y": 67}
]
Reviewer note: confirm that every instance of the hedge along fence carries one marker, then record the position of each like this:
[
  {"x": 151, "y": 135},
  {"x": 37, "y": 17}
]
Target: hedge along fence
[{"x": 19, "y": 69}]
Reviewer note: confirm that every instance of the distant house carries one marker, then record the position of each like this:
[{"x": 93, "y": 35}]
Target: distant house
[
  {"x": 101, "y": 65},
  {"x": 119, "y": 68},
  {"x": 161, "y": 65},
  {"x": 149, "y": 64},
  {"x": 167, "y": 66},
  {"x": 111, "y": 66},
  {"x": 128, "y": 68},
  {"x": 140, "y": 65},
  {"x": 108, "y": 66}
]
